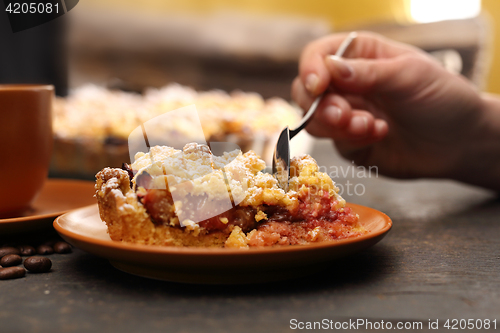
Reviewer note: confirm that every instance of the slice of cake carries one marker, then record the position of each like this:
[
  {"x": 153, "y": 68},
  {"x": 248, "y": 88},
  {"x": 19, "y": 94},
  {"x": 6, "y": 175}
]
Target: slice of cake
[{"x": 194, "y": 198}]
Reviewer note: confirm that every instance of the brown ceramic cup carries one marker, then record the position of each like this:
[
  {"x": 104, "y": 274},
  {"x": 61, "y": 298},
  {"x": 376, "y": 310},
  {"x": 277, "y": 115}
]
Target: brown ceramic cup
[{"x": 25, "y": 144}]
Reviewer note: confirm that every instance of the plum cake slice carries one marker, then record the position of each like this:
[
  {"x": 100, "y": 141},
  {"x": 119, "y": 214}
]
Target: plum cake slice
[{"x": 191, "y": 197}]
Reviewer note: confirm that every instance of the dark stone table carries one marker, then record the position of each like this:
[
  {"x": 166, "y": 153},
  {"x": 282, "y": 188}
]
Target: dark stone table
[{"x": 440, "y": 261}]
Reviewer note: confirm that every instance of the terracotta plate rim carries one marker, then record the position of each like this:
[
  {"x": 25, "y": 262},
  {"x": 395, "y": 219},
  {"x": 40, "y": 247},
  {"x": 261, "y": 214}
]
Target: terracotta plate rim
[
  {"x": 184, "y": 251},
  {"x": 50, "y": 181}
]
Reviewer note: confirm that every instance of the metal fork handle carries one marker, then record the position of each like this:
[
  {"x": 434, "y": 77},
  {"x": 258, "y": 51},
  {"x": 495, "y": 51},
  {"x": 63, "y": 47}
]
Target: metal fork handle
[{"x": 308, "y": 116}]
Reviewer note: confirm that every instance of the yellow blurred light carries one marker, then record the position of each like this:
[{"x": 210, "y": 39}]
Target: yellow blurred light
[{"x": 425, "y": 11}]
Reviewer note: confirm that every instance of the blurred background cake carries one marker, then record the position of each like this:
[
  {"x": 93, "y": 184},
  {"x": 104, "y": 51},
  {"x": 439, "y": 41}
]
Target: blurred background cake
[{"x": 92, "y": 125}]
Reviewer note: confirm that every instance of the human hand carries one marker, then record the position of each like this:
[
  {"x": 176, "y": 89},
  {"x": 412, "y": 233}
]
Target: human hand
[{"x": 390, "y": 105}]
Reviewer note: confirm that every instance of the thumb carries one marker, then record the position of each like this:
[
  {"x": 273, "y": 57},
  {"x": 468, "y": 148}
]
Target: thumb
[{"x": 400, "y": 74}]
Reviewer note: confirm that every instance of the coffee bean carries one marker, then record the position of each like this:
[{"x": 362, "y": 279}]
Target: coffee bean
[
  {"x": 8, "y": 250},
  {"x": 38, "y": 264},
  {"x": 44, "y": 249},
  {"x": 12, "y": 272},
  {"x": 10, "y": 260},
  {"x": 26, "y": 250},
  {"x": 62, "y": 247}
]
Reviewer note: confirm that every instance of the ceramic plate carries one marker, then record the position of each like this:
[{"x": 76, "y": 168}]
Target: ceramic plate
[
  {"x": 84, "y": 229},
  {"x": 57, "y": 197}
]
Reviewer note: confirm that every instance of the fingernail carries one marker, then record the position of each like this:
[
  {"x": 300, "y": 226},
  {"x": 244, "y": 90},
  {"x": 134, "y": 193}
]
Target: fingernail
[
  {"x": 380, "y": 127},
  {"x": 343, "y": 68},
  {"x": 333, "y": 113},
  {"x": 359, "y": 124},
  {"x": 312, "y": 82}
]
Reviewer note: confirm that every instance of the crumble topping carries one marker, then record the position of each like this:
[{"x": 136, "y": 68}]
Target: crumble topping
[
  {"x": 195, "y": 171},
  {"x": 115, "y": 114}
]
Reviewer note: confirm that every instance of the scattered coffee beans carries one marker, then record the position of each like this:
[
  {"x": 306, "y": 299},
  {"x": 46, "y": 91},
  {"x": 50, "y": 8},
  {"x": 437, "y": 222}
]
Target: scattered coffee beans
[
  {"x": 12, "y": 272},
  {"x": 33, "y": 246},
  {"x": 26, "y": 250},
  {"x": 11, "y": 260},
  {"x": 62, "y": 247},
  {"x": 8, "y": 250},
  {"x": 44, "y": 249},
  {"x": 38, "y": 264}
]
